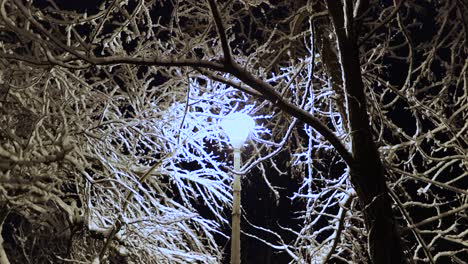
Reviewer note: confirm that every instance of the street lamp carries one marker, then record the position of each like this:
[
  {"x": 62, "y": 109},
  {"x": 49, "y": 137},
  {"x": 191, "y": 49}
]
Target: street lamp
[{"x": 237, "y": 127}]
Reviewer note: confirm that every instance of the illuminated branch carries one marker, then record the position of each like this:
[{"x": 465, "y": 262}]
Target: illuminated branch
[
  {"x": 337, "y": 233},
  {"x": 273, "y": 96}
]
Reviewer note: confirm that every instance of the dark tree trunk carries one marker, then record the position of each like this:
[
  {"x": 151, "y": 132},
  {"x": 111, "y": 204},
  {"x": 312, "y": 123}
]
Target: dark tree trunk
[{"x": 367, "y": 173}]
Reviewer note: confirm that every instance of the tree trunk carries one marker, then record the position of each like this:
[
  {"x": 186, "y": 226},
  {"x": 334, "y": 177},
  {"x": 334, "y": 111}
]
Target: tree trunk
[
  {"x": 367, "y": 173},
  {"x": 3, "y": 216}
]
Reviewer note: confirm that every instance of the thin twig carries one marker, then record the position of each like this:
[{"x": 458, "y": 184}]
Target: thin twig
[
  {"x": 388, "y": 19},
  {"x": 337, "y": 234},
  {"x": 423, "y": 179},
  {"x": 437, "y": 217},
  {"x": 409, "y": 220}
]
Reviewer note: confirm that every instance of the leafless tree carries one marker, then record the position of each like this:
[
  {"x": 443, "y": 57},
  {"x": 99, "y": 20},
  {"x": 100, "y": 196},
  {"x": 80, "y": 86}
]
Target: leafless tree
[{"x": 110, "y": 137}]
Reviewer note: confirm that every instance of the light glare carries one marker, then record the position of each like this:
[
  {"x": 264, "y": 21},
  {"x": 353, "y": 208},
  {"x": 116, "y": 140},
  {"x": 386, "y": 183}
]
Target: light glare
[{"x": 237, "y": 127}]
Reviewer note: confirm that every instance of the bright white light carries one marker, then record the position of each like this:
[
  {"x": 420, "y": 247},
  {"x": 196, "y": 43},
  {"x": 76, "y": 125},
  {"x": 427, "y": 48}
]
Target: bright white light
[{"x": 237, "y": 127}]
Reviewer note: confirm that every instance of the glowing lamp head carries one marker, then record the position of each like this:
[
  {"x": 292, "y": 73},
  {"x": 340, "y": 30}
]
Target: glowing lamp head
[{"x": 237, "y": 127}]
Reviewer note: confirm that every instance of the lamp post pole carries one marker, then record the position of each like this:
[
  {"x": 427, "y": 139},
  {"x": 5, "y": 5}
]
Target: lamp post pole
[
  {"x": 237, "y": 127},
  {"x": 236, "y": 211}
]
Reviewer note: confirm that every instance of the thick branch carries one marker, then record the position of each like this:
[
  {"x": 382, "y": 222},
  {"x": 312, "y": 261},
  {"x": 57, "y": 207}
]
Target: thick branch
[
  {"x": 273, "y": 96},
  {"x": 157, "y": 62},
  {"x": 238, "y": 85},
  {"x": 114, "y": 60},
  {"x": 221, "y": 31}
]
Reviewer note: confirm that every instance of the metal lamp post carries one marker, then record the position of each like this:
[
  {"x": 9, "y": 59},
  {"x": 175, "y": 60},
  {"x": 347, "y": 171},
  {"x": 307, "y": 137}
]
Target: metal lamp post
[{"x": 237, "y": 127}]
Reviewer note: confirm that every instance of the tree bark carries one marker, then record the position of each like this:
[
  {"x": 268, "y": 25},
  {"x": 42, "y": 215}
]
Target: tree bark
[
  {"x": 3, "y": 216},
  {"x": 3, "y": 255},
  {"x": 367, "y": 174}
]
